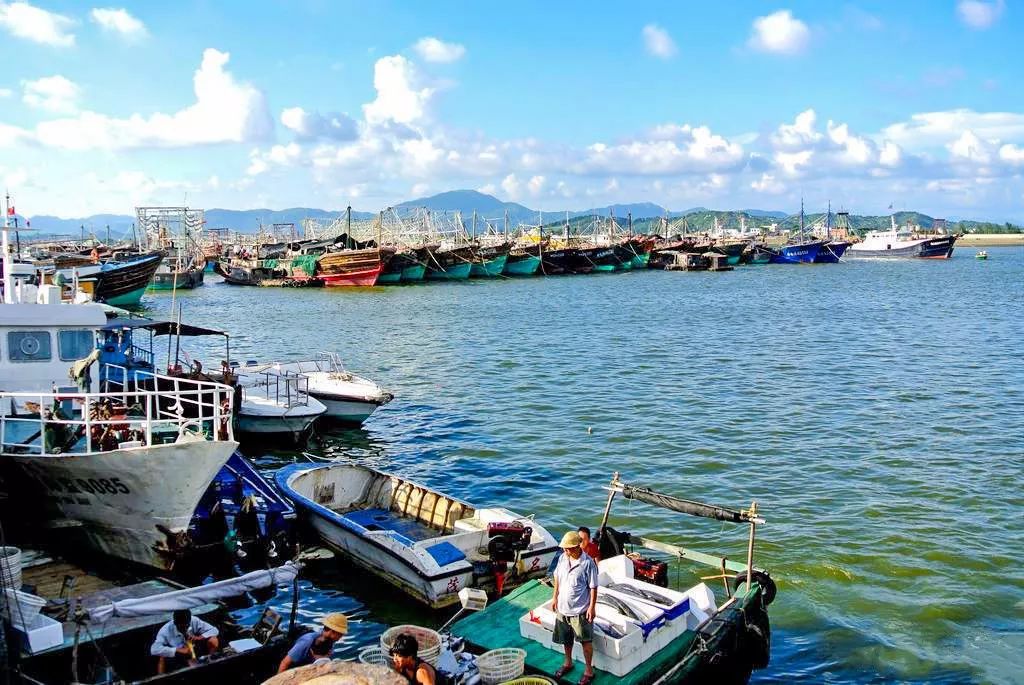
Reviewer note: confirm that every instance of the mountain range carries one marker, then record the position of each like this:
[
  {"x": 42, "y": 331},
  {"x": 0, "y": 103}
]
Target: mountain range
[{"x": 491, "y": 208}]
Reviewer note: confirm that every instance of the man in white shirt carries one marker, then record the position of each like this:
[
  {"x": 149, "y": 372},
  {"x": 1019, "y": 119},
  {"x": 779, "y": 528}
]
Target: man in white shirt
[
  {"x": 178, "y": 638},
  {"x": 575, "y": 602}
]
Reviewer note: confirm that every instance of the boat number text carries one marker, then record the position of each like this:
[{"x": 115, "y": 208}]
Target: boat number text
[
  {"x": 535, "y": 566},
  {"x": 92, "y": 486}
]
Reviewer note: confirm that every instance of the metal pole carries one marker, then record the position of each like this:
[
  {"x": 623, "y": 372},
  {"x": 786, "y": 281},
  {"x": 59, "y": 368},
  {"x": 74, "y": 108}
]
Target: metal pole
[
  {"x": 608, "y": 505},
  {"x": 750, "y": 544}
]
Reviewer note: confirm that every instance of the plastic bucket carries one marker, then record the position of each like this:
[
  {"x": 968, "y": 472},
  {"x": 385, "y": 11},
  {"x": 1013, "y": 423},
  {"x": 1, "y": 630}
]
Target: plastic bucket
[{"x": 10, "y": 568}]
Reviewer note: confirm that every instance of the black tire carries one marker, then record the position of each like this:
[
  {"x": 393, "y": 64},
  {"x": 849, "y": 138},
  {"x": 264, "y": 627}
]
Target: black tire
[{"x": 768, "y": 589}]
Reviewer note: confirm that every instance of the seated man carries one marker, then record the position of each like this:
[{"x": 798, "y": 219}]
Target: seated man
[
  {"x": 315, "y": 645},
  {"x": 179, "y": 639},
  {"x": 405, "y": 659}
]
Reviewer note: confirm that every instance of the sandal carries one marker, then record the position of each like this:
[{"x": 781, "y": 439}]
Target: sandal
[
  {"x": 586, "y": 679},
  {"x": 562, "y": 670}
]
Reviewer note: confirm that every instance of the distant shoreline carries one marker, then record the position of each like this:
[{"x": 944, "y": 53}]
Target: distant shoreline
[{"x": 991, "y": 240}]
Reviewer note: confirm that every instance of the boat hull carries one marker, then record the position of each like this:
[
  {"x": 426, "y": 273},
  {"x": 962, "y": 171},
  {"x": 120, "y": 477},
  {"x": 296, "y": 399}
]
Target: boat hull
[
  {"x": 932, "y": 248},
  {"x": 361, "y": 278},
  {"x": 346, "y": 410},
  {"x": 802, "y": 253},
  {"x": 559, "y": 261},
  {"x": 133, "y": 504},
  {"x": 180, "y": 280},
  {"x": 123, "y": 283},
  {"x": 522, "y": 265},
  {"x": 453, "y": 272},
  {"x": 831, "y": 253},
  {"x": 491, "y": 268}
]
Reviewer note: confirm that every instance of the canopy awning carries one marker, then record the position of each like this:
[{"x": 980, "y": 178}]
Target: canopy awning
[
  {"x": 193, "y": 597},
  {"x": 161, "y": 327}
]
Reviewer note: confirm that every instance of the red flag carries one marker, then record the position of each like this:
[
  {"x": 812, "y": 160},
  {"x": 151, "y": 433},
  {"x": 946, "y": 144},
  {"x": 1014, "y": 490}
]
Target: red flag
[{"x": 10, "y": 211}]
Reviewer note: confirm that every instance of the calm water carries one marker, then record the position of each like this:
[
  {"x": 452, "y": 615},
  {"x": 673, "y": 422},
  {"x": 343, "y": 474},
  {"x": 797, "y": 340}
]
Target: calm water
[{"x": 873, "y": 409}]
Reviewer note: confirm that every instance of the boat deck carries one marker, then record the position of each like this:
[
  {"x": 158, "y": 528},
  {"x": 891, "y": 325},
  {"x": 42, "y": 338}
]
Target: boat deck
[
  {"x": 498, "y": 626},
  {"x": 46, "y": 576},
  {"x": 405, "y": 529}
]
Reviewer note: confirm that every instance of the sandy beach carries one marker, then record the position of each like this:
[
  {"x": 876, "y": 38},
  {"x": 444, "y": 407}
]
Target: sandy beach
[{"x": 991, "y": 240}]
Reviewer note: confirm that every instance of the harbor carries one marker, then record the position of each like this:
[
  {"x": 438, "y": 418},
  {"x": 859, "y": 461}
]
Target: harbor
[{"x": 497, "y": 450}]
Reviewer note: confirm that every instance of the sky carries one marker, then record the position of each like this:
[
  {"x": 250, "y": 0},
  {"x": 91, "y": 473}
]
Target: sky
[{"x": 313, "y": 103}]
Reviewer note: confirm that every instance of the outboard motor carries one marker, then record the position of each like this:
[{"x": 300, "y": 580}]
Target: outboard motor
[{"x": 505, "y": 541}]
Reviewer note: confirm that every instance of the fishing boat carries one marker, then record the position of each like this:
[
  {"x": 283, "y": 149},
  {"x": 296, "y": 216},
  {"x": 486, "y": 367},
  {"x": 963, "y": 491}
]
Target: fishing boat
[
  {"x": 758, "y": 254},
  {"x": 347, "y": 397},
  {"x": 489, "y": 260},
  {"x": 352, "y": 267},
  {"x": 104, "y": 629},
  {"x": 173, "y": 231},
  {"x": 902, "y": 243},
  {"x": 450, "y": 263},
  {"x": 832, "y": 252},
  {"x": 405, "y": 266},
  {"x": 801, "y": 252},
  {"x": 172, "y": 275},
  {"x": 125, "y": 467},
  {"x": 558, "y": 260},
  {"x": 426, "y": 543},
  {"x": 523, "y": 259},
  {"x": 646, "y": 632},
  {"x": 982, "y": 254},
  {"x": 120, "y": 282}
]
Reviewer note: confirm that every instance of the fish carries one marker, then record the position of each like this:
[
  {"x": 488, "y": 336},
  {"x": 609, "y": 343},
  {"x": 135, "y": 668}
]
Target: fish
[
  {"x": 619, "y": 606},
  {"x": 648, "y": 595},
  {"x": 609, "y": 629}
]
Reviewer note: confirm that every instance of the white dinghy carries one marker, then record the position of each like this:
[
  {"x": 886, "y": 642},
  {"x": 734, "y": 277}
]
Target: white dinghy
[
  {"x": 347, "y": 397},
  {"x": 426, "y": 543}
]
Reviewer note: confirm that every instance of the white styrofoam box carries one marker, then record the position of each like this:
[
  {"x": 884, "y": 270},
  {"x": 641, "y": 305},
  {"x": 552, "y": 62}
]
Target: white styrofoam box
[
  {"x": 680, "y": 600},
  {"x": 42, "y": 633},
  {"x": 614, "y": 569},
  {"x": 244, "y": 645}
]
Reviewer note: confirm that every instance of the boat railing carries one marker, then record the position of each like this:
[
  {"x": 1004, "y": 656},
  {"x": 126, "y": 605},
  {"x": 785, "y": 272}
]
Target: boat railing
[
  {"x": 150, "y": 409},
  {"x": 284, "y": 388}
]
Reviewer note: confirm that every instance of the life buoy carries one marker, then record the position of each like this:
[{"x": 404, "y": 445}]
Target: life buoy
[
  {"x": 29, "y": 346},
  {"x": 768, "y": 588}
]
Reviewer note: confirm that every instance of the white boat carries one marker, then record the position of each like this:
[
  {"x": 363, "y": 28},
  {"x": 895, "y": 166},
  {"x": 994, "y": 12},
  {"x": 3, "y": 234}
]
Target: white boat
[
  {"x": 902, "y": 243},
  {"x": 426, "y": 543},
  {"x": 276, "y": 403},
  {"x": 126, "y": 467},
  {"x": 347, "y": 397}
]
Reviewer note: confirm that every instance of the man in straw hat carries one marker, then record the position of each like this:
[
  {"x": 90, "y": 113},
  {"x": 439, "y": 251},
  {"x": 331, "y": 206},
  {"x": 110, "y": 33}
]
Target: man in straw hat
[
  {"x": 317, "y": 644},
  {"x": 575, "y": 602}
]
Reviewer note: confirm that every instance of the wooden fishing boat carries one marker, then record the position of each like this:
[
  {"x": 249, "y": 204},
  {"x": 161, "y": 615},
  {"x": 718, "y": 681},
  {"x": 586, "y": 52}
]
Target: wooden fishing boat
[
  {"x": 644, "y": 631},
  {"x": 121, "y": 282},
  {"x": 426, "y": 543},
  {"x": 358, "y": 267},
  {"x": 404, "y": 266},
  {"x": 561, "y": 260}
]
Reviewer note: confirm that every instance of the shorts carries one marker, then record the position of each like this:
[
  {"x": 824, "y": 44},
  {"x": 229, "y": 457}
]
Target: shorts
[{"x": 570, "y": 628}]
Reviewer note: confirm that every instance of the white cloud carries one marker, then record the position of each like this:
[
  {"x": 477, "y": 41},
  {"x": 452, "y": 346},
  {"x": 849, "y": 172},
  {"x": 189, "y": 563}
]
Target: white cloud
[
  {"x": 434, "y": 50},
  {"x": 779, "y": 32},
  {"x": 930, "y": 129},
  {"x": 793, "y": 163},
  {"x": 6, "y": 92},
  {"x": 400, "y": 97},
  {"x": 512, "y": 186},
  {"x": 768, "y": 184},
  {"x": 978, "y": 14},
  {"x": 657, "y": 42},
  {"x": 119, "y": 21},
  {"x": 670, "y": 150},
  {"x": 970, "y": 148},
  {"x": 224, "y": 111},
  {"x": 52, "y": 94},
  {"x": 38, "y": 25},
  {"x": 800, "y": 133},
  {"x": 536, "y": 185},
  {"x": 312, "y": 125}
]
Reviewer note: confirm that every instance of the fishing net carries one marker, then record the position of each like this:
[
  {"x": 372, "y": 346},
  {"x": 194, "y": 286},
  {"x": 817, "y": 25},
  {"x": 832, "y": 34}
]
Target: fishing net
[{"x": 304, "y": 263}]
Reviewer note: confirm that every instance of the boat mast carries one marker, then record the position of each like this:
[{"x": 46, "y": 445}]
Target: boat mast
[
  {"x": 506, "y": 225},
  {"x": 8, "y": 262},
  {"x": 474, "y": 225},
  {"x": 801, "y": 217}
]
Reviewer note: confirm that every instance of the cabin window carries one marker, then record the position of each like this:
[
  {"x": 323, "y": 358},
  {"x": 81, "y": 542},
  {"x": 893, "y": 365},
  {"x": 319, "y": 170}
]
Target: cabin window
[
  {"x": 75, "y": 345},
  {"x": 28, "y": 346}
]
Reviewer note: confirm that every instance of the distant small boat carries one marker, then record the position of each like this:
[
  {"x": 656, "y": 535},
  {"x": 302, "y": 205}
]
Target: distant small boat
[
  {"x": 982, "y": 254},
  {"x": 426, "y": 543}
]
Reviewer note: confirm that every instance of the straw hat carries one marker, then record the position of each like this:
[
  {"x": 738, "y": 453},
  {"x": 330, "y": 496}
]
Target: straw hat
[
  {"x": 336, "y": 622},
  {"x": 570, "y": 539}
]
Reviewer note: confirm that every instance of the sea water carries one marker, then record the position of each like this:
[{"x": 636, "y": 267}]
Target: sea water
[{"x": 873, "y": 409}]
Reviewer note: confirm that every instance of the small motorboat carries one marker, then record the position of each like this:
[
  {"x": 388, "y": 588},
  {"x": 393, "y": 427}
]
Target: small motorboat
[
  {"x": 347, "y": 397},
  {"x": 275, "y": 403},
  {"x": 426, "y": 543},
  {"x": 982, "y": 254}
]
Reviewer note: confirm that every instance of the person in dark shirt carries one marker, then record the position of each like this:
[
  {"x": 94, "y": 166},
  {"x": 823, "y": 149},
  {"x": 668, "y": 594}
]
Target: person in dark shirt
[
  {"x": 315, "y": 645},
  {"x": 406, "y": 661}
]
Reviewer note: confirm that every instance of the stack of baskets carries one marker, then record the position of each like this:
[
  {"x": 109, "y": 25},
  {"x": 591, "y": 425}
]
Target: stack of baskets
[
  {"x": 429, "y": 641},
  {"x": 501, "y": 665},
  {"x": 375, "y": 656}
]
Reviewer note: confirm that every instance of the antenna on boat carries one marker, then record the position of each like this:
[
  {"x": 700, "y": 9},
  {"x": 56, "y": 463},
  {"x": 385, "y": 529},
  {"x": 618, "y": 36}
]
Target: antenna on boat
[{"x": 8, "y": 262}]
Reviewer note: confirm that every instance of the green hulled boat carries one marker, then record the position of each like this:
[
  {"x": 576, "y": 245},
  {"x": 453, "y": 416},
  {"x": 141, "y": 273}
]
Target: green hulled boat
[
  {"x": 452, "y": 264},
  {"x": 489, "y": 260},
  {"x": 669, "y": 636},
  {"x": 522, "y": 264},
  {"x": 404, "y": 267}
]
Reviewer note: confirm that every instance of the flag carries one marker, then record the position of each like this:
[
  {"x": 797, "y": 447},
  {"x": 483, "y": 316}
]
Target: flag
[
  {"x": 890, "y": 205},
  {"x": 10, "y": 211},
  {"x": 28, "y": 224}
]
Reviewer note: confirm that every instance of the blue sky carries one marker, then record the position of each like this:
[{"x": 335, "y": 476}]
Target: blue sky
[{"x": 571, "y": 105}]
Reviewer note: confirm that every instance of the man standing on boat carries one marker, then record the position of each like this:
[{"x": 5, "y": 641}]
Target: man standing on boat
[
  {"x": 575, "y": 603},
  {"x": 177, "y": 640},
  {"x": 314, "y": 645}
]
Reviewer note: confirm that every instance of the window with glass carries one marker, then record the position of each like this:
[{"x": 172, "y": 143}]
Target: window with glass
[
  {"x": 28, "y": 346},
  {"x": 75, "y": 345}
]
